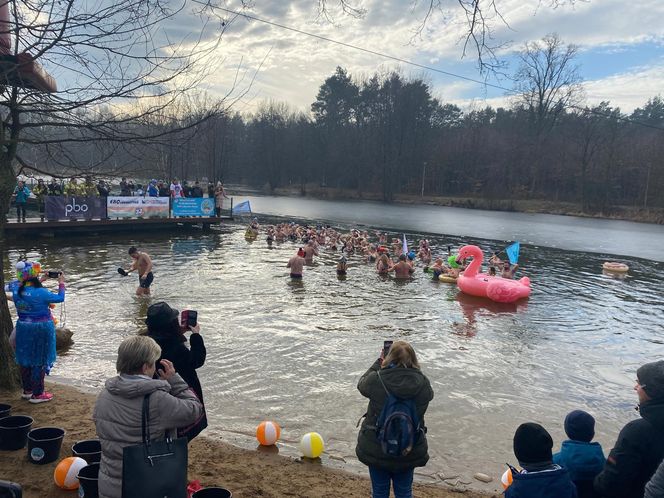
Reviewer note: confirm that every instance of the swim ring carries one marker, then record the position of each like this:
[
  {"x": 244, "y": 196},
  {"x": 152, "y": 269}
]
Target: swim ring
[
  {"x": 447, "y": 279},
  {"x": 615, "y": 267}
]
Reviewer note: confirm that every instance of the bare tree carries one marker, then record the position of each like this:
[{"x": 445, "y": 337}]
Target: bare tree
[{"x": 121, "y": 63}]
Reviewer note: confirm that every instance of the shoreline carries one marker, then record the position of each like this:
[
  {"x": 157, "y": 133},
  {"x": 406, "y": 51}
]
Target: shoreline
[
  {"x": 214, "y": 462},
  {"x": 654, "y": 215}
]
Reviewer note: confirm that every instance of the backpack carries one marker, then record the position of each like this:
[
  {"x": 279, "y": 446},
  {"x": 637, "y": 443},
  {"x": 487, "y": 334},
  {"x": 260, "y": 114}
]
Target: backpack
[{"x": 398, "y": 425}]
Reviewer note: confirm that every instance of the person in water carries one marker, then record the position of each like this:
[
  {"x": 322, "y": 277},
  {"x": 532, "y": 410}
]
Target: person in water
[
  {"x": 492, "y": 271},
  {"x": 509, "y": 271},
  {"x": 437, "y": 268},
  {"x": 296, "y": 264},
  {"x": 383, "y": 264},
  {"x": 402, "y": 269},
  {"x": 342, "y": 266},
  {"x": 141, "y": 262},
  {"x": 310, "y": 251}
]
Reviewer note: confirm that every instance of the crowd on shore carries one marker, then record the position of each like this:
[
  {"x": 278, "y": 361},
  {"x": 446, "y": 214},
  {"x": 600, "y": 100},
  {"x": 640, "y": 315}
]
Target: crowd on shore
[{"x": 89, "y": 187}]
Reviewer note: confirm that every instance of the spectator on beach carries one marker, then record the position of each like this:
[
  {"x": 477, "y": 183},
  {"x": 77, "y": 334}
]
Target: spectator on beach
[
  {"x": 118, "y": 411},
  {"x": 54, "y": 188},
  {"x": 125, "y": 190},
  {"x": 35, "y": 330},
  {"x": 655, "y": 487},
  {"x": 639, "y": 449},
  {"x": 21, "y": 195},
  {"x": 196, "y": 190},
  {"x": 219, "y": 196},
  {"x": 539, "y": 477},
  {"x": 176, "y": 189},
  {"x": 164, "y": 327},
  {"x": 396, "y": 375},
  {"x": 582, "y": 458},
  {"x": 41, "y": 191}
]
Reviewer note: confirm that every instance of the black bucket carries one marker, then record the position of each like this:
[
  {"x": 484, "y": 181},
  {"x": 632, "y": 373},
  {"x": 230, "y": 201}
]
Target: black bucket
[
  {"x": 89, "y": 450},
  {"x": 4, "y": 410},
  {"x": 44, "y": 444},
  {"x": 212, "y": 493},
  {"x": 88, "y": 478},
  {"x": 14, "y": 432}
]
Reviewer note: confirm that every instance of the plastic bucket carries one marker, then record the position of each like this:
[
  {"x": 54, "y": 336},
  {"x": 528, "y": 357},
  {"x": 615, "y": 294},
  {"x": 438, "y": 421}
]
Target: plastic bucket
[
  {"x": 44, "y": 444},
  {"x": 89, "y": 450},
  {"x": 4, "y": 410},
  {"x": 14, "y": 432},
  {"x": 88, "y": 478},
  {"x": 212, "y": 493}
]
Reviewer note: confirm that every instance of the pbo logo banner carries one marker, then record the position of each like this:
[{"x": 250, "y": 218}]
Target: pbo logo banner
[{"x": 74, "y": 208}]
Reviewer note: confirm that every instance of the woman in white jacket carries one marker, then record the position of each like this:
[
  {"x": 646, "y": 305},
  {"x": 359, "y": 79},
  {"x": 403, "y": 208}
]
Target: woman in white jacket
[{"x": 118, "y": 411}]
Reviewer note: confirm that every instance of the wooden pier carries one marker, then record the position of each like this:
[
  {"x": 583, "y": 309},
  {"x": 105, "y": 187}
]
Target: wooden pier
[{"x": 36, "y": 228}]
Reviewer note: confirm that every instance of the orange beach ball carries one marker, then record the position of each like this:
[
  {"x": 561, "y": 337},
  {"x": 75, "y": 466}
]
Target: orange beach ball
[
  {"x": 268, "y": 433},
  {"x": 66, "y": 473}
]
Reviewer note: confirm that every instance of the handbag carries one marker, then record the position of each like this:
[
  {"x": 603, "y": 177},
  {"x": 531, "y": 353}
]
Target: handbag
[{"x": 154, "y": 469}]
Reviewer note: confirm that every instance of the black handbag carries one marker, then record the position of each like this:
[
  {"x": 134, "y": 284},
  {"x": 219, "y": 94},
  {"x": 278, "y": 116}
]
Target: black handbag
[{"x": 154, "y": 469}]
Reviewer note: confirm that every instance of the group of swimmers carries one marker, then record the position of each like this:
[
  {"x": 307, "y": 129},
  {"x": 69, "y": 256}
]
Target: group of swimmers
[{"x": 388, "y": 258}]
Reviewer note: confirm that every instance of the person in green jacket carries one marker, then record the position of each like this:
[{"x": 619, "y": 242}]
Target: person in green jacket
[{"x": 400, "y": 374}]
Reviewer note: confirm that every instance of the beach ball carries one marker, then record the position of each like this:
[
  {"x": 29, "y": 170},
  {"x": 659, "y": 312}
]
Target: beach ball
[
  {"x": 312, "y": 445},
  {"x": 66, "y": 472},
  {"x": 507, "y": 479},
  {"x": 268, "y": 433}
]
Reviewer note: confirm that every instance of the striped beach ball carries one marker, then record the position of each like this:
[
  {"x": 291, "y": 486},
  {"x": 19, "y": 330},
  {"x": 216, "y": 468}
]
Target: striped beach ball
[
  {"x": 507, "y": 479},
  {"x": 268, "y": 433},
  {"x": 66, "y": 472},
  {"x": 312, "y": 445}
]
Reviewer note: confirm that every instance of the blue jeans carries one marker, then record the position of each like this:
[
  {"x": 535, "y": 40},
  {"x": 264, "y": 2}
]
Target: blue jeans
[{"x": 401, "y": 481}]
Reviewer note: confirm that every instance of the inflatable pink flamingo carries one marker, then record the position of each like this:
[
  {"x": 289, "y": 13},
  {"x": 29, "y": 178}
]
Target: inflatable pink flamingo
[{"x": 501, "y": 290}]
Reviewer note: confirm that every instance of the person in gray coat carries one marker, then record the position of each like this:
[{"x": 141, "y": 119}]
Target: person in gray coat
[
  {"x": 655, "y": 487},
  {"x": 118, "y": 411}
]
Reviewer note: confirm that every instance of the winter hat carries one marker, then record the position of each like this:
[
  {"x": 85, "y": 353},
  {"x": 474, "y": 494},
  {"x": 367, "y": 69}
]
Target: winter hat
[
  {"x": 161, "y": 314},
  {"x": 580, "y": 426},
  {"x": 651, "y": 378},
  {"x": 26, "y": 270},
  {"x": 532, "y": 444}
]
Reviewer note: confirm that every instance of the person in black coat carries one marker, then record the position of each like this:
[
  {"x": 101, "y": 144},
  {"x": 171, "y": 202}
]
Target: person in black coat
[
  {"x": 640, "y": 446},
  {"x": 165, "y": 329},
  {"x": 399, "y": 372}
]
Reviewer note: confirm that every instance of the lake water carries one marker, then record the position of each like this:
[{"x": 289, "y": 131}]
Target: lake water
[{"x": 293, "y": 352}]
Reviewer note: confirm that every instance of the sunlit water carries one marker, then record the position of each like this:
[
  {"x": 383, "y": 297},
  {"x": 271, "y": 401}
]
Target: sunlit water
[{"x": 293, "y": 352}]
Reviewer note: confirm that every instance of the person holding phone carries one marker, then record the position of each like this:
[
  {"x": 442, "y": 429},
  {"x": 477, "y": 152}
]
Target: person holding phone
[
  {"x": 165, "y": 327},
  {"x": 396, "y": 372}
]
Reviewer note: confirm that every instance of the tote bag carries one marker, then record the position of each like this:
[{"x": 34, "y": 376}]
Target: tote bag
[{"x": 154, "y": 469}]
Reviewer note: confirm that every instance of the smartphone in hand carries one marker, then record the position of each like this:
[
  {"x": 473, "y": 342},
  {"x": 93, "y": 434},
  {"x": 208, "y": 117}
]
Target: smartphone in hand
[
  {"x": 188, "y": 318},
  {"x": 386, "y": 347}
]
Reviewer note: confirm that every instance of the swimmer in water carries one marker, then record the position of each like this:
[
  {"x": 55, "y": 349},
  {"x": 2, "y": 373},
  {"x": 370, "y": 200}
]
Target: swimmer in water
[
  {"x": 492, "y": 271},
  {"x": 383, "y": 264},
  {"x": 437, "y": 268},
  {"x": 310, "y": 250},
  {"x": 142, "y": 263},
  {"x": 296, "y": 265},
  {"x": 402, "y": 269},
  {"x": 494, "y": 260},
  {"x": 342, "y": 266},
  {"x": 509, "y": 271}
]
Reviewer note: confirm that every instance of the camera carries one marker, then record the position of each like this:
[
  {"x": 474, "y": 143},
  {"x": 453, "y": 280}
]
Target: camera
[{"x": 54, "y": 274}]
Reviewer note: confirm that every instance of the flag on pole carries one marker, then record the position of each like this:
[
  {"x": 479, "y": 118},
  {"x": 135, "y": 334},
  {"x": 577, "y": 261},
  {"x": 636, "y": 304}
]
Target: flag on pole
[
  {"x": 405, "y": 244},
  {"x": 242, "y": 208},
  {"x": 513, "y": 252}
]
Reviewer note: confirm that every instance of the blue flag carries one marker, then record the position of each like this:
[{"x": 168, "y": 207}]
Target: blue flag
[
  {"x": 513, "y": 252},
  {"x": 243, "y": 207}
]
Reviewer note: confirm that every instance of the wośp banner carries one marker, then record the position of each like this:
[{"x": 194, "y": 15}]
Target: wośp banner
[
  {"x": 74, "y": 208},
  {"x": 193, "y": 206},
  {"x": 137, "y": 207}
]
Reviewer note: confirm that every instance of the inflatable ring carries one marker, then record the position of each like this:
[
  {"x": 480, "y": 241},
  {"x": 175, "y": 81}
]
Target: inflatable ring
[
  {"x": 447, "y": 279},
  {"x": 615, "y": 267}
]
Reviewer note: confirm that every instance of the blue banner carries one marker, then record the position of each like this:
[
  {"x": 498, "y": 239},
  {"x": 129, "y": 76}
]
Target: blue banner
[{"x": 193, "y": 206}]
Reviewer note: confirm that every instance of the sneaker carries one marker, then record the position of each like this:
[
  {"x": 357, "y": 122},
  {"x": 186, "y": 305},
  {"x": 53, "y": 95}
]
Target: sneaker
[
  {"x": 26, "y": 395},
  {"x": 42, "y": 398}
]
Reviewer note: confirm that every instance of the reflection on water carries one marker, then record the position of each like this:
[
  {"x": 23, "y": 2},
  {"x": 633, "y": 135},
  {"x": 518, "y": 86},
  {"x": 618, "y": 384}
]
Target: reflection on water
[{"x": 293, "y": 351}]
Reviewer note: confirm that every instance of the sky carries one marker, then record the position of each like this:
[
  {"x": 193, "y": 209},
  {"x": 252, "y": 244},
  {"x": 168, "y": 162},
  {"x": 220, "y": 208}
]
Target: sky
[{"x": 621, "y": 48}]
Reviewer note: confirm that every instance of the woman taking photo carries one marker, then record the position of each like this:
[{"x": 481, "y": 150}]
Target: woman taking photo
[
  {"x": 118, "y": 411},
  {"x": 35, "y": 330},
  {"x": 395, "y": 378},
  {"x": 164, "y": 327}
]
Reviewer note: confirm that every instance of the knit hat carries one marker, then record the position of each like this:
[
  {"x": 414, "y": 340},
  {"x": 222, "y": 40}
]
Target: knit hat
[
  {"x": 532, "y": 444},
  {"x": 580, "y": 426},
  {"x": 651, "y": 378},
  {"x": 26, "y": 270}
]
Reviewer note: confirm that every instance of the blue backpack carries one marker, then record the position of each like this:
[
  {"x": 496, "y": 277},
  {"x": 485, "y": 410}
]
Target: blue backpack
[{"x": 398, "y": 425}]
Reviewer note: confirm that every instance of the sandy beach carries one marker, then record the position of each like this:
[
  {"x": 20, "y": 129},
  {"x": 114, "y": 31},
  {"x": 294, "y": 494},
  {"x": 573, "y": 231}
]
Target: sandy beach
[{"x": 246, "y": 473}]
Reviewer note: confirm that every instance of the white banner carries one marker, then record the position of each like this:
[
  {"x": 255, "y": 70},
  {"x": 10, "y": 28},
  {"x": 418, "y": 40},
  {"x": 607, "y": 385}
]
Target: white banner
[{"x": 138, "y": 207}]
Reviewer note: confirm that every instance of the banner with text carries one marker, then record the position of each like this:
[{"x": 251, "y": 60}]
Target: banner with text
[
  {"x": 137, "y": 207},
  {"x": 74, "y": 208},
  {"x": 193, "y": 206}
]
